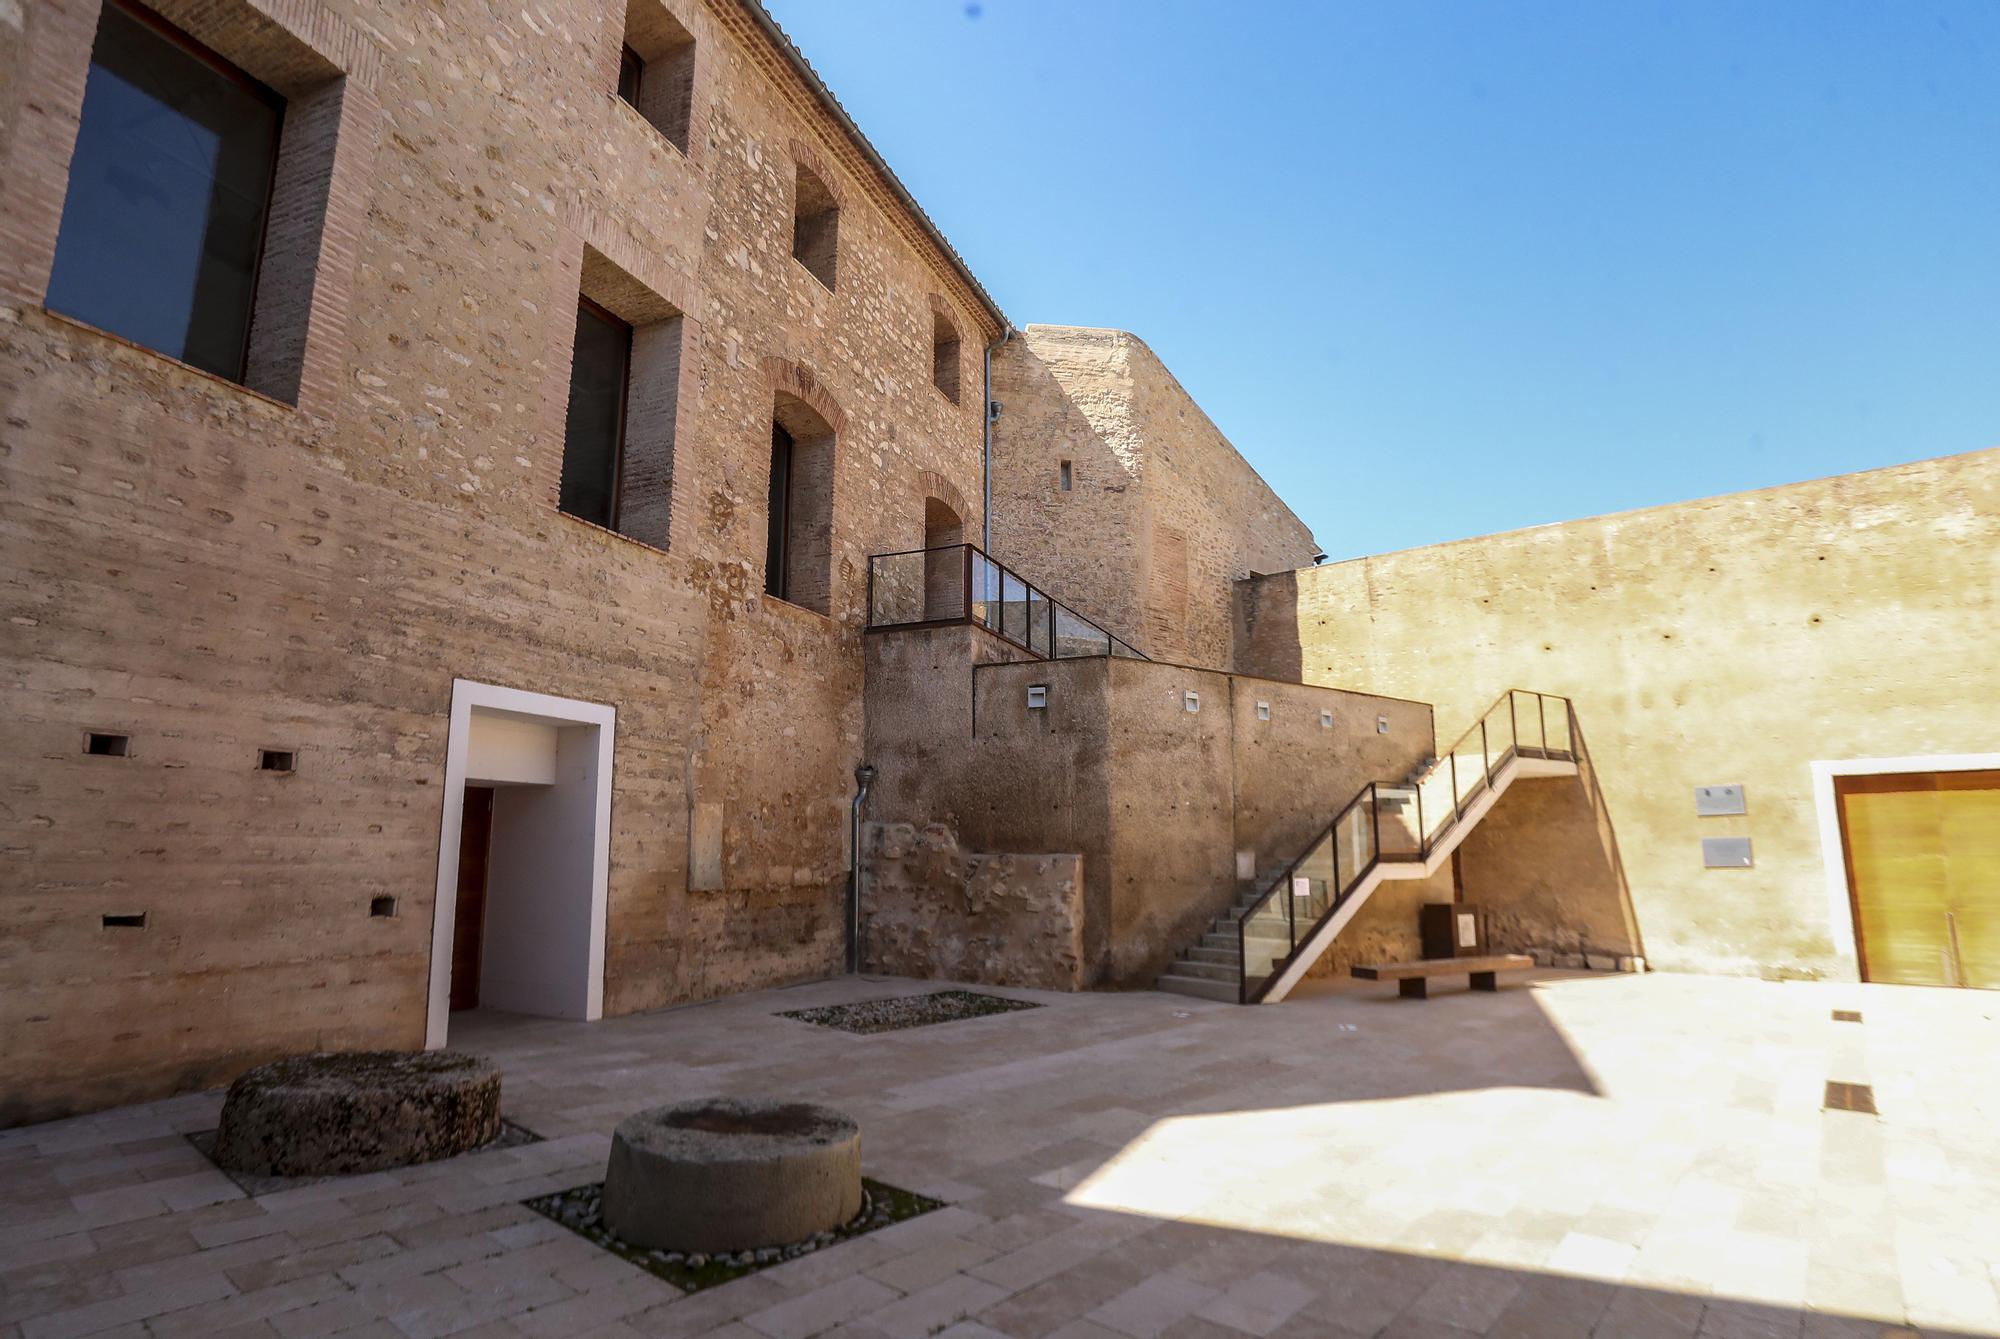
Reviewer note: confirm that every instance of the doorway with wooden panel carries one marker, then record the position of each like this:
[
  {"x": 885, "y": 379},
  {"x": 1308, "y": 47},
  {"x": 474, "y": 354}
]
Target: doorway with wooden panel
[
  {"x": 1922, "y": 852},
  {"x": 468, "y": 928}
]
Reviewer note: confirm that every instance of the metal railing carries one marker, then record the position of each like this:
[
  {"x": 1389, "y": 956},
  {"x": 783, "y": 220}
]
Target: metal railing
[
  {"x": 959, "y": 583},
  {"x": 1393, "y": 822}
]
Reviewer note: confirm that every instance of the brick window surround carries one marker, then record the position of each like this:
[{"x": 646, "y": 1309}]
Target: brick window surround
[
  {"x": 815, "y": 216},
  {"x": 326, "y": 71},
  {"x": 599, "y": 259},
  {"x": 802, "y": 407},
  {"x": 945, "y": 358},
  {"x": 667, "y": 54}
]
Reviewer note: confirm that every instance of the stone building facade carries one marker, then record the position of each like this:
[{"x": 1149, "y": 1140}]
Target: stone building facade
[
  {"x": 198, "y": 574},
  {"x": 1127, "y": 494}
]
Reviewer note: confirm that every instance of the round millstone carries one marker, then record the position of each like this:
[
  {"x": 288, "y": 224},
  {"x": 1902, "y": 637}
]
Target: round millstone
[
  {"x": 729, "y": 1174},
  {"x": 333, "y": 1114}
]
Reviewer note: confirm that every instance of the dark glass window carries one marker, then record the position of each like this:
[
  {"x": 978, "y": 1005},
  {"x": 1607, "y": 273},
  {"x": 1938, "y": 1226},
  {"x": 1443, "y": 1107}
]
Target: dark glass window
[
  {"x": 594, "y": 434},
  {"x": 630, "y": 71},
  {"x": 777, "y": 545},
  {"x": 168, "y": 189}
]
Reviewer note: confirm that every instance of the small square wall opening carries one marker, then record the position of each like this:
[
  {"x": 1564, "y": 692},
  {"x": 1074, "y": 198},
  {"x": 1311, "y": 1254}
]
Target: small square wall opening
[
  {"x": 135, "y": 920},
  {"x": 1066, "y": 476},
  {"x": 1192, "y": 701},
  {"x": 277, "y": 760},
  {"x": 1263, "y": 711},
  {"x": 1038, "y": 696},
  {"x": 100, "y": 745},
  {"x": 381, "y": 906},
  {"x": 1325, "y": 720}
]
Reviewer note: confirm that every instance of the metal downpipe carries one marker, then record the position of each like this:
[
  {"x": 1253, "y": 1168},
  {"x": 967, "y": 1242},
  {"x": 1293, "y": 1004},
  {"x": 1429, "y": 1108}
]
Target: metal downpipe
[{"x": 863, "y": 775}]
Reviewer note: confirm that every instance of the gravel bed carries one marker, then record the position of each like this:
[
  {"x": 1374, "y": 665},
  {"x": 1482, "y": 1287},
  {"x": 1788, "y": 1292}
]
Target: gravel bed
[
  {"x": 581, "y": 1210},
  {"x": 901, "y": 1011}
]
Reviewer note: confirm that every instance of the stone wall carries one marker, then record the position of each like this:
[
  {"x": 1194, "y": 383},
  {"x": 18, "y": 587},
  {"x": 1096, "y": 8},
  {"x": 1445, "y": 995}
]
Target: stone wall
[
  {"x": 1732, "y": 640},
  {"x": 214, "y": 572},
  {"x": 934, "y": 910},
  {"x": 1163, "y": 514},
  {"x": 1158, "y": 800}
]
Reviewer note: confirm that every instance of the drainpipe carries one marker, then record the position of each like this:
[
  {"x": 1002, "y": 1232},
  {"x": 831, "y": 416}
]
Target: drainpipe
[
  {"x": 862, "y": 776},
  {"x": 988, "y": 411}
]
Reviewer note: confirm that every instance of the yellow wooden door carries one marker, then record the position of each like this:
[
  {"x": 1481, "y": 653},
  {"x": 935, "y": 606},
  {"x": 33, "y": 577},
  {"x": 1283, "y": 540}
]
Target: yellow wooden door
[{"x": 1923, "y": 873}]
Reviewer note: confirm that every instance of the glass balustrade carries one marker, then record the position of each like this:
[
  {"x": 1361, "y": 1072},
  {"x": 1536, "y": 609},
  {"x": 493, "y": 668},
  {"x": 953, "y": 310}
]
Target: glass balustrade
[{"x": 959, "y": 584}]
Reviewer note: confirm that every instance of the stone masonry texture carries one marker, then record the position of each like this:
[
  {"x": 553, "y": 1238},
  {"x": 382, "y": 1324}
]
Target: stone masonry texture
[{"x": 213, "y": 573}]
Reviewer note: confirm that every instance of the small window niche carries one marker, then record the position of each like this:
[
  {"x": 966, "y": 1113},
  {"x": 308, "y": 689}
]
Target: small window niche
[
  {"x": 103, "y": 744},
  {"x": 1065, "y": 476},
  {"x": 815, "y": 226},
  {"x": 131, "y": 920},
  {"x": 277, "y": 760},
  {"x": 381, "y": 906},
  {"x": 656, "y": 70},
  {"x": 944, "y": 351}
]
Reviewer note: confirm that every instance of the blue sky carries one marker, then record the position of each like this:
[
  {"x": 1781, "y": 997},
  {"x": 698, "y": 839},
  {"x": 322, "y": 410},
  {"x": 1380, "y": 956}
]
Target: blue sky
[{"x": 1442, "y": 269}]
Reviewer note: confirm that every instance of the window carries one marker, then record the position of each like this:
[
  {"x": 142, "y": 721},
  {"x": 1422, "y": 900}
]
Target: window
[
  {"x": 1063, "y": 476},
  {"x": 798, "y": 543},
  {"x": 594, "y": 433},
  {"x": 815, "y": 226},
  {"x": 169, "y": 189},
  {"x": 630, "y": 71},
  {"x": 777, "y": 523},
  {"x": 656, "y": 70},
  {"x": 944, "y": 353}
]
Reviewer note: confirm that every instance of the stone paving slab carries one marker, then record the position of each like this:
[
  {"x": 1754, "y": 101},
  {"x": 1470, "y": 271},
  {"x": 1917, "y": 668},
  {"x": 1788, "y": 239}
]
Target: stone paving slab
[{"x": 1626, "y": 1157}]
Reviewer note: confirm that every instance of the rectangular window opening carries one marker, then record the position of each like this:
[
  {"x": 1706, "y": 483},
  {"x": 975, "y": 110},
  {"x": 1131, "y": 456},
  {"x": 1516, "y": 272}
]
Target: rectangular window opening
[
  {"x": 631, "y": 75},
  {"x": 1063, "y": 472},
  {"x": 276, "y": 760},
  {"x": 778, "y": 523},
  {"x": 107, "y": 745},
  {"x": 169, "y": 192},
  {"x": 594, "y": 431},
  {"x": 382, "y": 906},
  {"x": 815, "y": 227},
  {"x": 656, "y": 70},
  {"x": 129, "y": 921}
]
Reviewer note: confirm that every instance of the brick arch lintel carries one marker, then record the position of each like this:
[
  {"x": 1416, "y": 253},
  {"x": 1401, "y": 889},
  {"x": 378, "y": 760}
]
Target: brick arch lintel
[
  {"x": 798, "y": 381},
  {"x": 931, "y": 484}
]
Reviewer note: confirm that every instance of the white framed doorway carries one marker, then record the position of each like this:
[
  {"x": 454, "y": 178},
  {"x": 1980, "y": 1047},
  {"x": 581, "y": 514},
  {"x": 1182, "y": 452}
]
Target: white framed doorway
[
  {"x": 539, "y": 943},
  {"x": 1833, "y": 850}
]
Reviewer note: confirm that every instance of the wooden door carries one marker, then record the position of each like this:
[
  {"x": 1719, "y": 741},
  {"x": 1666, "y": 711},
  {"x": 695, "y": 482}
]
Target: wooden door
[
  {"x": 1923, "y": 875},
  {"x": 468, "y": 927}
]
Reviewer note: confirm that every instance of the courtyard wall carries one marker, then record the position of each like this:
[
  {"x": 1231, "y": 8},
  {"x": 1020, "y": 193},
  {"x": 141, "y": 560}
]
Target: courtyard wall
[{"x": 1733, "y": 640}]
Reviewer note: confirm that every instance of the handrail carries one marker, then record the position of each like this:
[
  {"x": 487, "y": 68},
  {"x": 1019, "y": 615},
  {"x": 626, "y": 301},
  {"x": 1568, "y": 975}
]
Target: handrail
[
  {"x": 940, "y": 592},
  {"x": 1341, "y": 889}
]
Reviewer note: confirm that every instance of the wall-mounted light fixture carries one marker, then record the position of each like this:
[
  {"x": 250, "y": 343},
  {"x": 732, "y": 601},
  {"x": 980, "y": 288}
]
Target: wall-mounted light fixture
[
  {"x": 1381, "y": 725},
  {"x": 1038, "y": 696},
  {"x": 1325, "y": 719},
  {"x": 1193, "y": 700},
  {"x": 1263, "y": 711}
]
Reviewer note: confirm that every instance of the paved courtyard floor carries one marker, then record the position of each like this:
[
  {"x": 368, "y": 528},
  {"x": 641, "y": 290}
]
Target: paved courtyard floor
[{"x": 1584, "y": 1155}]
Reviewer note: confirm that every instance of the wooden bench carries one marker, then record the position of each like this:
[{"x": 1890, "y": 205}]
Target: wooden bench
[{"x": 1413, "y": 979}]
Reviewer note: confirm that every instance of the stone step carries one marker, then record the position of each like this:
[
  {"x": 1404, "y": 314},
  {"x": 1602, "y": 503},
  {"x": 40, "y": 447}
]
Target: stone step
[
  {"x": 1208, "y": 971},
  {"x": 1199, "y": 987},
  {"x": 1203, "y": 953}
]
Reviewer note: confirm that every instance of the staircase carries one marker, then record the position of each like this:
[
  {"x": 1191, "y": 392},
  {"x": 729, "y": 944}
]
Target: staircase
[{"x": 1263, "y": 945}]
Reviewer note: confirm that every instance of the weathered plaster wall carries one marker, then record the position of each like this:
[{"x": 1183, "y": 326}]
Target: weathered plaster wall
[
  {"x": 1538, "y": 865},
  {"x": 1735, "y": 639},
  {"x": 1163, "y": 514},
  {"x": 215, "y": 573},
  {"x": 937, "y": 911}
]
